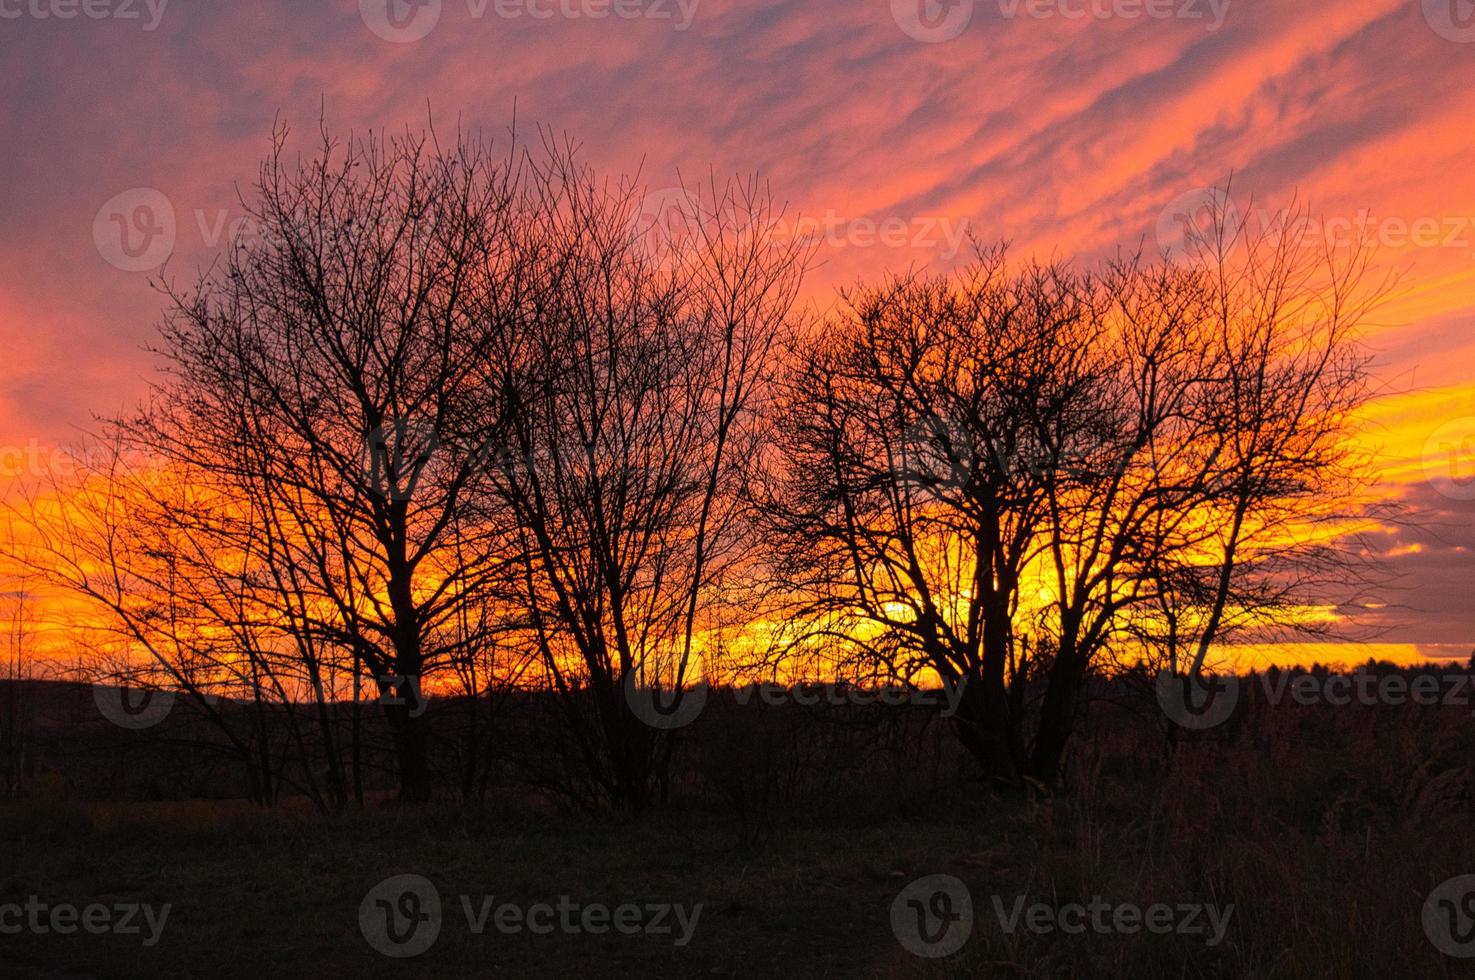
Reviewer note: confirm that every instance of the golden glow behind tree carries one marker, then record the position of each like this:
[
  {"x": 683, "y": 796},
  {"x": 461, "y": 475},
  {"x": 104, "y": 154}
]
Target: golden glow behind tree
[
  {"x": 451, "y": 414},
  {"x": 643, "y": 370},
  {"x": 1009, "y": 475},
  {"x": 323, "y": 379}
]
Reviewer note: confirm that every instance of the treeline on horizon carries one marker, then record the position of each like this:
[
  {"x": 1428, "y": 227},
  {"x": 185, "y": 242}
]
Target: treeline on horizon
[
  {"x": 758, "y": 758},
  {"x": 461, "y": 419}
]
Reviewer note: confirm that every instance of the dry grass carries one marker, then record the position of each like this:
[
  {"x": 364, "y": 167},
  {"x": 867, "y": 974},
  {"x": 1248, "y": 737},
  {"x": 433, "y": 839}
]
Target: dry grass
[{"x": 1325, "y": 827}]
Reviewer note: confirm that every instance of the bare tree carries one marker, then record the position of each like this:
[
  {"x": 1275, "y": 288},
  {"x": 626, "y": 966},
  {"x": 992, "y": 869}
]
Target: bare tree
[
  {"x": 447, "y": 408},
  {"x": 320, "y": 378},
  {"x": 1002, "y": 477},
  {"x": 160, "y": 611},
  {"x": 627, "y": 457},
  {"x": 1277, "y": 530},
  {"x": 917, "y": 434}
]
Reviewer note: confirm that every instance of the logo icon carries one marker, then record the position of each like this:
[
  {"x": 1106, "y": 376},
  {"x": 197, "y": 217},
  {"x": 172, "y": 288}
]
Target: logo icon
[
  {"x": 400, "y": 916},
  {"x": 670, "y": 705},
  {"x": 668, "y": 222},
  {"x": 396, "y": 455},
  {"x": 1449, "y": 459},
  {"x": 1453, "y": 20},
  {"x": 1187, "y": 228},
  {"x": 1195, "y": 701},
  {"x": 400, "y": 21},
  {"x": 932, "y": 21},
  {"x": 1449, "y": 917},
  {"x": 135, "y": 230},
  {"x": 133, "y": 708},
  {"x": 933, "y": 916}
]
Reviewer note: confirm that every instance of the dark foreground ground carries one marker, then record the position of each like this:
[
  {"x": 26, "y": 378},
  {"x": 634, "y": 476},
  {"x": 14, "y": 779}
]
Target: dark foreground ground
[{"x": 1326, "y": 828}]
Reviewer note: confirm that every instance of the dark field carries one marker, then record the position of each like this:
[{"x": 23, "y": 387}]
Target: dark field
[{"x": 1325, "y": 827}]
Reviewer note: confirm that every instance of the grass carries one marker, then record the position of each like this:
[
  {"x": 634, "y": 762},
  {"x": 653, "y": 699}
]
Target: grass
[{"x": 1324, "y": 828}]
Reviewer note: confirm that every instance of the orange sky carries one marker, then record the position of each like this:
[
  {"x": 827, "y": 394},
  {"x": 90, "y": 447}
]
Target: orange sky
[{"x": 1070, "y": 127}]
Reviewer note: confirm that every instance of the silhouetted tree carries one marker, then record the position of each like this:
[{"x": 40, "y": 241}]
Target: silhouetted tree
[
  {"x": 918, "y": 431},
  {"x": 1010, "y": 477},
  {"x": 640, "y": 367},
  {"x": 322, "y": 377}
]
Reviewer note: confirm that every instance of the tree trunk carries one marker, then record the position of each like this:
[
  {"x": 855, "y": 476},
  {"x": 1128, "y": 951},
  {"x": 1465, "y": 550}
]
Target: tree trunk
[
  {"x": 411, "y": 743},
  {"x": 984, "y": 727},
  {"x": 629, "y": 744},
  {"x": 1057, "y": 717}
]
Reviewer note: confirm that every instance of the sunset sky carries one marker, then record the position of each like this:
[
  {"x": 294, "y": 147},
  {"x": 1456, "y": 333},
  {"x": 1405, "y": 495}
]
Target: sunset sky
[{"x": 1069, "y": 127}]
